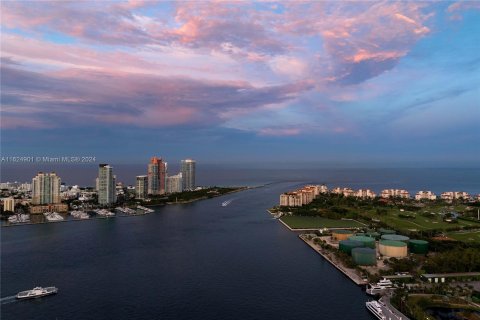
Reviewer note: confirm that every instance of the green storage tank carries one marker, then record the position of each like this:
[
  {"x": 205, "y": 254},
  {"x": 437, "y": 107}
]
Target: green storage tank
[
  {"x": 418, "y": 246},
  {"x": 360, "y": 234},
  {"x": 395, "y": 237},
  {"x": 386, "y": 231},
  {"x": 373, "y": 234},
  {"x": 367, "y": 241},
  {"x": 347, "y": 245},
  {"x": 364, "y": 256}
]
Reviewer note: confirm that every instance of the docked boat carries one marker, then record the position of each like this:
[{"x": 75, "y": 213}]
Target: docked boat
[
  {"x": 379, "y": 287},
  {"x": 145, "y": 209},
  {"x": 53, "y": 216},
  {"x": 79, "y": 214},
  {"x": 19, "y": 218},
  {"x": 375, "y": 308},
  {"x": 36, "y": 292},
  {"x": 104, "y": 213}
]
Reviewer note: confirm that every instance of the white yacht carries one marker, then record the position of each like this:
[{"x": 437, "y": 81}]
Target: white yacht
[
  {"x": 379, "y": 287},
  {"x": 36, "y": 292},
  {"x": 19, "y": 218},
  {"x": 145, "y": 209},
  {"x": 79, "y": 214},
  {"x": 375, "y": 308},
  {"x": 53, "y": 216},
  {"x": 104, "y": 213}
]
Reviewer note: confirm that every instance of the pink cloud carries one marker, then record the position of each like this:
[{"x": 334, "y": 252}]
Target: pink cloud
[{"x": 279, "y": 132}]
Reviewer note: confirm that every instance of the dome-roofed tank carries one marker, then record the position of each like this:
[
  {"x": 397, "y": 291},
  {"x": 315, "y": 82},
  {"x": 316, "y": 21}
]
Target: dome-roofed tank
[
  {"x": 341, "y": 234},
  {"x": 347, "y": 245},
  {"x": 373, "y": 234},
  {"x": 386, "y": 231},
  {"x": 393, "y": 249},
  {"x": 395, "y": 237},
  {"x": 367, "y": 241},
  {"x": 364, "y": 256},
  {"x": 418, "y": 246}
]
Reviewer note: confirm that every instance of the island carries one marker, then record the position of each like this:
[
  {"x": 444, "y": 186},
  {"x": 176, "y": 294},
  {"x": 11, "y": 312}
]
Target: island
[{"x": 428, "y": 248}]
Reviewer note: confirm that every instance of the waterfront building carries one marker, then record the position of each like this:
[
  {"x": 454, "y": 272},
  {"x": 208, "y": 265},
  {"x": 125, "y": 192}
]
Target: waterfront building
[
  {"x": 299, "y": 197},
  {"x": 188, "y": 174},
  {"x": 174, "y": 183},
  {"x": 455, "y": 195},
  {"x": 157, "y": 170},
  {"x": 365, "y": 194},
  {"x": 425, "y": 195},
  {"x": 346, "y": 192},
  {"x": 46, "y": 188},
  {"x": 395, "y": 193},
  {"x": 323, "y": 189},
  {"x": 106, "y": 185},
  {"x": 56, "y": 207},
  {"x": 9, "y": 204},
  {"x": 141, "y": 187}
]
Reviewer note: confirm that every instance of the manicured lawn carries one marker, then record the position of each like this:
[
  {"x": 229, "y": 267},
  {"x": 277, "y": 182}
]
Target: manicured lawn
[
  {"x": 303, "y": 222},
  {"x": 473, "y": 236}
]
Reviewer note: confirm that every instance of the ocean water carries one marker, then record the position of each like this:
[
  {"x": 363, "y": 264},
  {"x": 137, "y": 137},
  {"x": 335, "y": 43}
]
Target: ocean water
[{"x": 411, "y": 179}]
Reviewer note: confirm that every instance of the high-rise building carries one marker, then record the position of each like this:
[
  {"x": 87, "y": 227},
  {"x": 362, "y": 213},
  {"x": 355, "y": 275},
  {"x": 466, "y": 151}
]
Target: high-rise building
[
  {"x": 188, "y": 174},
  {"x": 141, "y": 187},
  {"x": 46, "y": 188},
  {"x": 174, "y": 183},
  {"x": 9, "y": 204},
  {"x": 106, "y": 185},
  {"x": 157, "y": 170}
]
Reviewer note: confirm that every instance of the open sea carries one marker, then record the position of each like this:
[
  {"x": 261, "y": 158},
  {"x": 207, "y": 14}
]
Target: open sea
[{"x": 198, "y": 260}]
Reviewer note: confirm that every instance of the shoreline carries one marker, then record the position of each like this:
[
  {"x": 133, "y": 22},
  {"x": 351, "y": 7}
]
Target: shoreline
[
  {"x": 350, "y": 273},
  {"x": 131, "y": 215}
]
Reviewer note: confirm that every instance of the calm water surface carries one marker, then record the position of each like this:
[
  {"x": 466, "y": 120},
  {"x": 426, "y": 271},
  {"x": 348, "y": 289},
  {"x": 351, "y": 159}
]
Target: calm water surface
[{"x": 195, "y": 261}]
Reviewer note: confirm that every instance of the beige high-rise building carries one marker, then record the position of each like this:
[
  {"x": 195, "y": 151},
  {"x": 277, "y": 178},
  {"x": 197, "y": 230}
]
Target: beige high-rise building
[
  {"x": 141, "y": 187},
  {"x": 174, "y": 183},
  {"x": 46, "y": 188},
  {"x": 9, "y": 204}
]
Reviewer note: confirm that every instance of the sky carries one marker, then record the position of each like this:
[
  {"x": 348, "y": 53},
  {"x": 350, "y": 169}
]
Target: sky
[{"x": 320, "y": 82}]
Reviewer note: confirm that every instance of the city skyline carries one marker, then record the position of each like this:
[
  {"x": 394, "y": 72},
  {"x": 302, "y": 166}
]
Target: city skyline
[{"x": 336, "y": 82}]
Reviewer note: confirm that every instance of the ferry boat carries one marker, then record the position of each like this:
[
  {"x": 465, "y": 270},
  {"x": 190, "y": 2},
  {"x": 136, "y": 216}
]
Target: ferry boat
[
  {"x": 379, "y": 287},
  {"x": 226, "y": 203},
  {"x": 19, "y": 218},
  {"x": 79, "y": 214},
  {"x": 375, "y": 308},
  {"x": 36, "y": 292},
  {"x": 53, "y": 216}
]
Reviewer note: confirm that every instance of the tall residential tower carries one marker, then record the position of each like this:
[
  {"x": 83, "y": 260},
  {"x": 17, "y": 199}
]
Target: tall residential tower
[
  {"x": 106, "y": 185},
  {"x": 46, "y": 188},
  {"x": 188, "y": 174},
  {"x": 141, "y": 187},
  {"x": 157, "y": 170}
]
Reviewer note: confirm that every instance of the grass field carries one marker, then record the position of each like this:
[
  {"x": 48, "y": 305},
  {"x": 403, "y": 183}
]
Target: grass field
[
  {"x": 419, "y": 223},
  {"x": 473, "y": 236},
  {"x": 303, "y": 222}
]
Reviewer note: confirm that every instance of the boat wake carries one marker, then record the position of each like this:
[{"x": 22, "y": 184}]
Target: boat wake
[
  {"x": 226, "y": 203},
  {"x": 7, "y": 300}
]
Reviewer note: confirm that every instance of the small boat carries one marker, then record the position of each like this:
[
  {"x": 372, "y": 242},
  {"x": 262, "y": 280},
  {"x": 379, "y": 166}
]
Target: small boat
[
  {"x": 36, "y": 292},
  {"x": 375, "y": 308},
  {"x": 226, "y": 203},
  {"x": 53, "y": 216}
]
